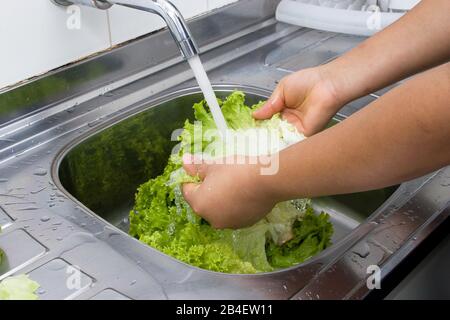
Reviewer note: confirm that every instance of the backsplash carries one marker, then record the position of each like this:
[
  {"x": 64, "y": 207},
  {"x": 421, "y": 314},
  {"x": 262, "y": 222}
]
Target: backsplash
[{"x": 38, "y": 36}]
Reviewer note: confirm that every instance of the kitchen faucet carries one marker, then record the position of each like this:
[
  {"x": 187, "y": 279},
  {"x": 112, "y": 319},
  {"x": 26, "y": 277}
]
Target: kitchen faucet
[{"x": 163, "y": 8}]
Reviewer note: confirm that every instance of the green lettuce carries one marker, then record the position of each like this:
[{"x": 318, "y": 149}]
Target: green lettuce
[
  {"x": 1, "y": 252},
  {"x": 19, "y": 287},
  {"x": 161, "y": 218}
]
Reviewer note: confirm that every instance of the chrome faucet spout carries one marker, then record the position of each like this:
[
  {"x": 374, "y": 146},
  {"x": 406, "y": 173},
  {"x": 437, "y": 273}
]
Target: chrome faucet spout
[{"x": 165, "y": 9}]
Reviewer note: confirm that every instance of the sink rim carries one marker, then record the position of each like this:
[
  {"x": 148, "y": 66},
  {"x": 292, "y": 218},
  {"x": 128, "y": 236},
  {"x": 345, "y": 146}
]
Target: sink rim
[{"x": 320, "y": 260}]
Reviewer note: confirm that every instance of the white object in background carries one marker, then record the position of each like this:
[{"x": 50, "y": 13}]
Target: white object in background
[
  {"x": 358, "y": 17},
  {"x": 402, "y": 4}
]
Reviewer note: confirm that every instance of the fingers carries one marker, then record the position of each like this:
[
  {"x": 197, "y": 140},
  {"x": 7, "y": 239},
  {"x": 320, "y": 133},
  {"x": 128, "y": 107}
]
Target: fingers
[
  {"x": 192, "y": 195},
  {"x": 274, "y": 105},
  {"x": 190, "y": 191},
  {"x": 195, "y": 197},
  {"x": 194, "y": 166}
]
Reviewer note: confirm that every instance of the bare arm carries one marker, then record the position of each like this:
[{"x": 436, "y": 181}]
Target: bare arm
[
  {"x": 402, "y": 135},
  {"x": 418, "y": 41}
]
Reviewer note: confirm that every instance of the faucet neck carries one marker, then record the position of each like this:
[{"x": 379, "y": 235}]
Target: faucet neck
[
  {"x": 173, "y": 18},
  {"x": 165, "y": 9}
]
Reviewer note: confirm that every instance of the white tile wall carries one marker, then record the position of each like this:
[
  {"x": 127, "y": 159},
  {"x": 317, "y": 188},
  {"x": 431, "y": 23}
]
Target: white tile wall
[
  {"x": 128, "y": 23},
  {"x": 35, "y": 39},
  {"x": 213, "y": 4}
]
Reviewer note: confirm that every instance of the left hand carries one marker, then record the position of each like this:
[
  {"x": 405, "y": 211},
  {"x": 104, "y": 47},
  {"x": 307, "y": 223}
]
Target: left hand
[{"x": 230, "y": 196}]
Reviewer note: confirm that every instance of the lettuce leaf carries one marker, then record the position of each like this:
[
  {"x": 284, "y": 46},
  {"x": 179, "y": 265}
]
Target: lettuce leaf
[
  {"x": 1, "y": 252},
  {"x": 19, "y": 287},
  {"x": 161, "y": 217}
]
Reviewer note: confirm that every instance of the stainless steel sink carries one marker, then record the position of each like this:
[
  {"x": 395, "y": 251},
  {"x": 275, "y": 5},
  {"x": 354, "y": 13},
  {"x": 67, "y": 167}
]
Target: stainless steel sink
[
  {"x": 103, "y": 169},
  {"x": 72, "y": 155}
]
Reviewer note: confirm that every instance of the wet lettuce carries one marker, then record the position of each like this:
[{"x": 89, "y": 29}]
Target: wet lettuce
[
  {"x": 19, "y": 287},
  {"x": 1, "y": 251},
  {"x": 161, "y": 218}
]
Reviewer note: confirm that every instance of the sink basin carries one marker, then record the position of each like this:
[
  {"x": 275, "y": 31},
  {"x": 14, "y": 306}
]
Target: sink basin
[{"x": 103, "y": 169}]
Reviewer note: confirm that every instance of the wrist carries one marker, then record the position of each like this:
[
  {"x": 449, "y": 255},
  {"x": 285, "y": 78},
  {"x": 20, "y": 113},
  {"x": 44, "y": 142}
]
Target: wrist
[
  {"x": 268, "y": 181},
  {"x": 336, "y": 82}
]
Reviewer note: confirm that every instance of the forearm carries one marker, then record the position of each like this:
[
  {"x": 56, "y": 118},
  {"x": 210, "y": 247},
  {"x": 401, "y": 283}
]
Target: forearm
[
  {"x": 402, "y": 135},
  {"x": 418, "y": 41}
]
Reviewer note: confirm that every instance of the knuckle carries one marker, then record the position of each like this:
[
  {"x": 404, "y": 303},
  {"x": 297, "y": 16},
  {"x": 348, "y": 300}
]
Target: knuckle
[
  {"x": 198, "y": 207},
  {"x": 283, "y": 82}
]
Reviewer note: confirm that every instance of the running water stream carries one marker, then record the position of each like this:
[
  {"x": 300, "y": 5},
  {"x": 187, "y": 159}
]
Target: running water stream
[{"x": 208, "y": 92}]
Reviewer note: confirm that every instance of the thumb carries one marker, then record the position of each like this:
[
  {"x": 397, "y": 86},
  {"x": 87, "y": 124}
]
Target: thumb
[
  {"x": 194, "y": 166},
  {"x": 274, "y": 105},
  {"x": 191, "y": 194}
]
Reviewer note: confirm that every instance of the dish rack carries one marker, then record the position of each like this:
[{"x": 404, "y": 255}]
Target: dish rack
[{"x": 358, "y": 17}]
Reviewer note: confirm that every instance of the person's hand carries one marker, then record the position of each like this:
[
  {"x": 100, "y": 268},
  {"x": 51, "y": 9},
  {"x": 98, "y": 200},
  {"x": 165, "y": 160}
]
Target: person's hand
[
  {"x": 230, "y": 196},
  {"x": 307, "y": 99}
]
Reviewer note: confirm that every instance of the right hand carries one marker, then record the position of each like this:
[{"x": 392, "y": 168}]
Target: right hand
[{"x": 308, "y": 99}]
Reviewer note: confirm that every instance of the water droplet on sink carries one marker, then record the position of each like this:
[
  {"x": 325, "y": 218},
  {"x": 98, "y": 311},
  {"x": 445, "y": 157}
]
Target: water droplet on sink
[
  {"x": 41, "y": 292},
  {"x": 94, "y": 123},
  {"x": 3, "y": 180},
  {"x": 40, "y": 172},
  {"x": 132, "y": 283},
  {"x": 57, "y": 265},
  {"x": 45, "y": 218},
  {"x": 38, "y": 190},
  {"x": 60, "y": 194},
  {"x": 362, "y": 250},
  {"x": 28, "y": 209}
]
